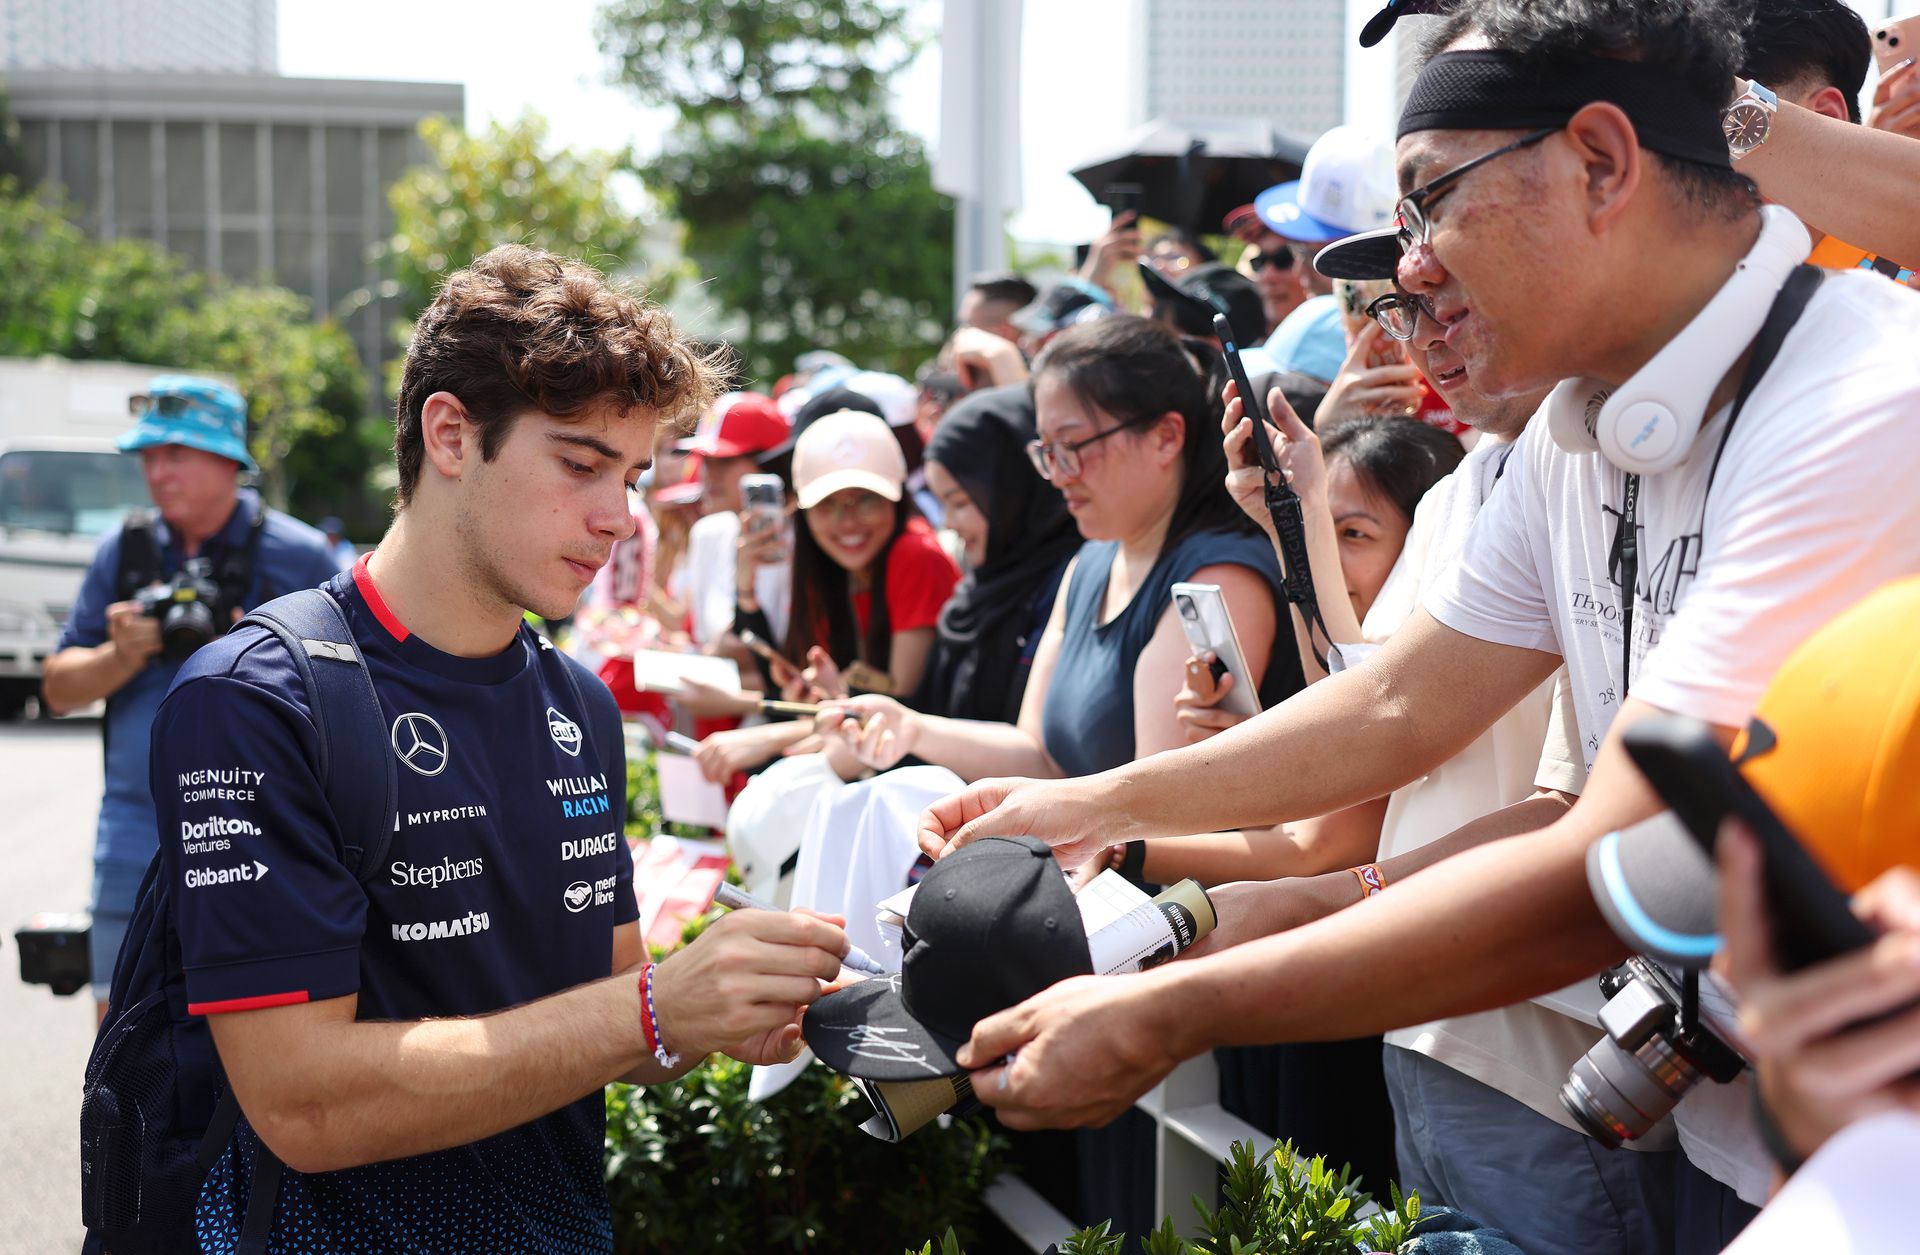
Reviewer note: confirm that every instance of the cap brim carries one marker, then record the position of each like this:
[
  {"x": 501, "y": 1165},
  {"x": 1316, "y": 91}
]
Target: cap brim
[
  {"x": 1369, "y": 255},
  {"x": 718, "y": 449},
  {"x": 864, "y": 1030},
  {"x": 839, "y": 481},
  {"x": 145, "y": 437},
  {"x": 1279, "y": 207},
  {"x": 1658, "y": 890}
]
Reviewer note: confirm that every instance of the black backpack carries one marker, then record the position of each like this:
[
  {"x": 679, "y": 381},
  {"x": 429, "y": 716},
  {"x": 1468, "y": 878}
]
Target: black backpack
[{"x": 156, "y": 1113}]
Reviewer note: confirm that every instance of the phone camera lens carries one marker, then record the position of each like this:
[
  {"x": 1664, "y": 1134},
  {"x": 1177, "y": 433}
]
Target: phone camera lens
[{"x": 1186, "y": 608}]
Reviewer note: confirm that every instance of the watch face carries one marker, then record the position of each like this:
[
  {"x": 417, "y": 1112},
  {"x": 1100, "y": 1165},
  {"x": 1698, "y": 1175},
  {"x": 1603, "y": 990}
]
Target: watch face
[{"x": 1746, "y": 125}]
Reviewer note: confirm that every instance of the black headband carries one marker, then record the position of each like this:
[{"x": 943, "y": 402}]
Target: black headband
[{"x": 1491, "y": 90}]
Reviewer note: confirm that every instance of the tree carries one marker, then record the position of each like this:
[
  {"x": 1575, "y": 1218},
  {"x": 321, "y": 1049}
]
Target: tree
[
  {"x": 503, "y": 186},
  {"x": 65, "y": 294},
  {"x": 812, "y": 215}
]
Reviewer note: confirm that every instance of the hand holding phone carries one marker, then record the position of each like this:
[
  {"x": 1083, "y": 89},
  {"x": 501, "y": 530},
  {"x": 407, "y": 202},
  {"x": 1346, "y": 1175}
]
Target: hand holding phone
[
  {"x": 1895, "y": 42},
  {"x": 1202, "y": 611}
]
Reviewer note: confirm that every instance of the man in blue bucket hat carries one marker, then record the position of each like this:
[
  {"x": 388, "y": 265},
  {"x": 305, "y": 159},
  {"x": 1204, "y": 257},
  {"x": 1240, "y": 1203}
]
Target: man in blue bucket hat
[{"x": 223, "y": 552}]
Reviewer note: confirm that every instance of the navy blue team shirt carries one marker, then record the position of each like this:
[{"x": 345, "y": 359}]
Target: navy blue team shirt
[{"x": 507, "y": 875}]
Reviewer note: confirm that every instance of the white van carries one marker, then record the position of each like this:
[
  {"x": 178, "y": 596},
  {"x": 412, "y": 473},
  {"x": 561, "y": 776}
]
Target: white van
[{"x": 63, "y": 485}]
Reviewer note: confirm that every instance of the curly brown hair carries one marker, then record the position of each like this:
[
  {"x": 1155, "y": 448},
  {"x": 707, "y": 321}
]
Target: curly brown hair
[{"x": 525, "y": 330}]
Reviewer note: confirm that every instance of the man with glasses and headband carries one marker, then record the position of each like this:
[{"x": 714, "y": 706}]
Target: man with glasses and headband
[
  {"x": 1571, "y": 211},
  {"x": 192, "y": 440}
]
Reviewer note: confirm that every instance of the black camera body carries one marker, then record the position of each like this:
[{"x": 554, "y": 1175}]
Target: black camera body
[
  {"x": 189, "y": 608},
  {"x": 53, "y": 951}
]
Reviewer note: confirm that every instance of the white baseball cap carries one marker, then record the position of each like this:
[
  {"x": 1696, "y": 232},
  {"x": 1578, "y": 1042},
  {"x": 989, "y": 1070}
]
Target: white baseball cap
[
  {"x": 1346, "y": 186},
  {"x": 847, "y": 449}
]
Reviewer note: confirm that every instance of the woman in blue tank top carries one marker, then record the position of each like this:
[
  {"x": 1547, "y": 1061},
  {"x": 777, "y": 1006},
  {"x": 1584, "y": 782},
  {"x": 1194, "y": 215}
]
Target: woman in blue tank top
[{"x": 1129, "y": 428}]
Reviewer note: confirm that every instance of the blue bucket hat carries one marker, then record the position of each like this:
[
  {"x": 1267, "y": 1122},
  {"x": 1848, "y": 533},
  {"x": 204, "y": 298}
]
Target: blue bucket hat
[{"x": 199, "y": 413}]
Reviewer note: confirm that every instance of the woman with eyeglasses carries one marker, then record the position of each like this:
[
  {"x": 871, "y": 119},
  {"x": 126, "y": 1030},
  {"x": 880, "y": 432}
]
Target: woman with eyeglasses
[{"x": 1128, "y": 437}]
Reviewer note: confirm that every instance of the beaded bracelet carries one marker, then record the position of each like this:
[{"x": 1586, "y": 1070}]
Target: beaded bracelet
[{"x": 650, "y": 1023}]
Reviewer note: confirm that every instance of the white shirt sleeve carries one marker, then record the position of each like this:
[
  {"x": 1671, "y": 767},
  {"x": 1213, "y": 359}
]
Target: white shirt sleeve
[{"x": 1497, "y": 589}]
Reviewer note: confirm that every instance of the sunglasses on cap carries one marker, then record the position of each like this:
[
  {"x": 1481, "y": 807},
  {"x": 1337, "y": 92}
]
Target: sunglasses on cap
[{"x": 166, "y": 405}]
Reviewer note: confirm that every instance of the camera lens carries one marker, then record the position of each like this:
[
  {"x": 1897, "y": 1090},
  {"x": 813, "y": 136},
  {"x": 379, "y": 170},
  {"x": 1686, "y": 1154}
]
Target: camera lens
[
  {"x": 1617, "y": 1095},
  {"x": 187, "y": 626},
  {"x": 1186, "y": 607}
]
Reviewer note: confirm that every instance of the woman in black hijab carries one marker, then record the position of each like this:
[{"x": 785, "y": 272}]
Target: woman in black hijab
[{"x": 990, "y": 628}]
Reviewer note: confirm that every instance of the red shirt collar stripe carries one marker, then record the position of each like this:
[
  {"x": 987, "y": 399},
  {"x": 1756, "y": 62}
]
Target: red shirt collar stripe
[{"x": 363, "y": 580}]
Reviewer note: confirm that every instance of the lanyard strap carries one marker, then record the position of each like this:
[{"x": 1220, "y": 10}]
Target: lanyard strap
[{"x": 1784, "y": 313}]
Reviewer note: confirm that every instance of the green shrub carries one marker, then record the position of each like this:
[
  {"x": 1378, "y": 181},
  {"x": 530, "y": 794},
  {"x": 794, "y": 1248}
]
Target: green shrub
[
  {"x": 1279, "y": 1203},
  {"x": 693, "y": 1165}
]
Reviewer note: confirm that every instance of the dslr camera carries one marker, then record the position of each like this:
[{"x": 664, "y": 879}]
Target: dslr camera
[
  {"x": 1657, "y": 1048},
  {"x": 188, "y": 608}
]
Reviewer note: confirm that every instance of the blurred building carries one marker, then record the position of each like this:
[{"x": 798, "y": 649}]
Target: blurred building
[
  {"x": 1281, "y": 62},
  {"x": 219, "y": 36},
  {"x": 167, "y": 122}
]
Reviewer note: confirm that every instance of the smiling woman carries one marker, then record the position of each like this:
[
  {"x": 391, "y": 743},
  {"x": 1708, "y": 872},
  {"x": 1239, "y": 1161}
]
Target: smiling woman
[{"x": 869, "y": 577}]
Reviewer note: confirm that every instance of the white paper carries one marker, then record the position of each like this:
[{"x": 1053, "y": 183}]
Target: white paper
[
  {"x": 663, "y": 671},
  {"x": 1849, "y": 1199},
  {"x": 688, "y": 797}
]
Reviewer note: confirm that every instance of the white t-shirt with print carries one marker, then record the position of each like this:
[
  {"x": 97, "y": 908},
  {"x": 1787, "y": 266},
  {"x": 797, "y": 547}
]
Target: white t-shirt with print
[
  {"x": 1523, "y": 1050},
  {"x": 712, "y": 543},
  {"x": 1816, "y": 503}
]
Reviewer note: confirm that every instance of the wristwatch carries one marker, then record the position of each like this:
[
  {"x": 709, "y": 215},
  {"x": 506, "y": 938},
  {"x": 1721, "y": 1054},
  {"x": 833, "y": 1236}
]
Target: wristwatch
[{"x": 1748, "y": 119}]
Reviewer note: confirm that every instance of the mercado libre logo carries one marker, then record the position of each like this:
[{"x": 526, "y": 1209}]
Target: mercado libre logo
[{"x": 421, "y": 743}]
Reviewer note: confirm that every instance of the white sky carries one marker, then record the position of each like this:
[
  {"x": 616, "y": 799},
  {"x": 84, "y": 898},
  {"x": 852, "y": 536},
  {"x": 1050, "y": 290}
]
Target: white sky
[
  {"x": 1076, "y": 67},
  {"x": 551, "y": 64}
]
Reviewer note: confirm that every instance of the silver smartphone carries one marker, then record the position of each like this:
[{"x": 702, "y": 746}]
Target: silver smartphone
[
  {"x": 763, "y": 497},
  {"x": 1204, "y": 619}
]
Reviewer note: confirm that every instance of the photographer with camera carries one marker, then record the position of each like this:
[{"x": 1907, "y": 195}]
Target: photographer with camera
[{"x": 160, "y": 586}]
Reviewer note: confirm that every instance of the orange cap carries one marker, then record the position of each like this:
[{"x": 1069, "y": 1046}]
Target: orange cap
[{"x": 1834, "y": 746}]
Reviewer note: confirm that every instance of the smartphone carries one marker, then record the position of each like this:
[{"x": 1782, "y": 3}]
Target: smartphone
[
  {"x": 764, "y": 498},
  {"x": 1203, "y": 617},
  {"x": 1812, "y": 919},
  {"x": 1122, "y": 198},
  {"x": 1252, "y": 404},
  {"x": 1894, "y": 42}
]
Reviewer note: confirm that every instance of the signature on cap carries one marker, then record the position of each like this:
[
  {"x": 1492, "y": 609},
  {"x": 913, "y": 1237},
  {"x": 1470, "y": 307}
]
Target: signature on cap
[{"x": 868, "y": 1041}]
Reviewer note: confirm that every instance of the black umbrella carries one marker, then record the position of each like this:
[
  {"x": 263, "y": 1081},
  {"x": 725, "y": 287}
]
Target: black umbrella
[{"x": 1193, "y": 172}]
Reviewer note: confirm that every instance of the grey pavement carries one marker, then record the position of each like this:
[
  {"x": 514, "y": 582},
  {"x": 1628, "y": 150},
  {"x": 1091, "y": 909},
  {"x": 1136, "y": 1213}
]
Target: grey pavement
[{"x": 49, "y": 795}]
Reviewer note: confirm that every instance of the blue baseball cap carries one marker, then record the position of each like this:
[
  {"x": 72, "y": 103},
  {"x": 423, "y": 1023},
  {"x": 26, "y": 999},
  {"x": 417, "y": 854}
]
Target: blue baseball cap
[
  {"x": 1346, "y": 186},
  {"x": 188, "y": 410}
]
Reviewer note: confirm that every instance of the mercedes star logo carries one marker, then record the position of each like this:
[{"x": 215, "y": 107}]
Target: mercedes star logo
[
  {"x": 565, "y": 732},
  {"x": 420, "y": 742}
]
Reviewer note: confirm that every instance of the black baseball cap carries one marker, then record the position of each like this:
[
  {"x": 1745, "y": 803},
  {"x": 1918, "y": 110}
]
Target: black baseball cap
[
  {"x": 1209, "y": 289},
  {"x": 1368, "y": 255},
  {"x": 990, "y": 926}
]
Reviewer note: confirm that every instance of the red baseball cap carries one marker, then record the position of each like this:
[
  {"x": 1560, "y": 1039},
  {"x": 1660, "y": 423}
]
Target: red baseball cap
[{"x": 738, "y": 425}]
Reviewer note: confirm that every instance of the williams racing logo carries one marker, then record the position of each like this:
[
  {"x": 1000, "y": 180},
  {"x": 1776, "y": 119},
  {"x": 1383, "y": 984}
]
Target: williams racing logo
[
  {"x": 463, "y": 926},
  {"x": 564, "y": 731},
  {"x": 420, "y": 742}
]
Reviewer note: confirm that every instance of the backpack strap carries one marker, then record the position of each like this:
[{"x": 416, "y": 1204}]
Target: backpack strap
[
  {"x": 139, "y": 556},
  {"x": 346, "y": 713},
  {"x": 235, "y": 576}
]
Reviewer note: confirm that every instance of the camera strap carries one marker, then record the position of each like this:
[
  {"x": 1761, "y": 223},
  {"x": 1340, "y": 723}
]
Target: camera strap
[{"x": 1787, "y": 307}]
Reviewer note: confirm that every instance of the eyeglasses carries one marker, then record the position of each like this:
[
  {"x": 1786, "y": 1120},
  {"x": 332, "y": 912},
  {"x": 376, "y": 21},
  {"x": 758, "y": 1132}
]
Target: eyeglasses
[
  {"x": 1056, "y": 461},
  {"x": 1398, "y": 313},
  {"x": 861, "y": 504},
  {"x": 1280, "y": 258},
  {"x": 1413, "y": 215},
  {"x": 140, "y": 405}
]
